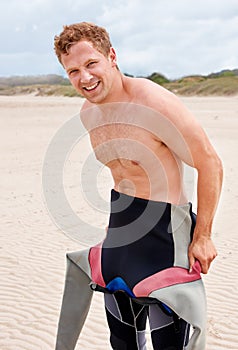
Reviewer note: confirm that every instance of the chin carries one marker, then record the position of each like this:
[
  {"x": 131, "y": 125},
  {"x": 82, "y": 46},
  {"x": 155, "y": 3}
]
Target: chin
[{"x": 97, "y": 99}]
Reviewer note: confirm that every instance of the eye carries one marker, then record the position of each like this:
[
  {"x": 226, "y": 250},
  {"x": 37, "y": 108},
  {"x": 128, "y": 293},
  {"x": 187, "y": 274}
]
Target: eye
[
  {"x": 91, "y": 64},
  {"x": 73, "y": 71}
]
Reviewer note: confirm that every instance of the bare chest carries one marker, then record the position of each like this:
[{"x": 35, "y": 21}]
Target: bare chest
[{"x": 123, "y": 143}]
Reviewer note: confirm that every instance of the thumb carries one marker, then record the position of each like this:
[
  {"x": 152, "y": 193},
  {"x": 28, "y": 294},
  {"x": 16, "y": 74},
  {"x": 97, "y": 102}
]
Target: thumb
[{"x": 191, "y": 263}]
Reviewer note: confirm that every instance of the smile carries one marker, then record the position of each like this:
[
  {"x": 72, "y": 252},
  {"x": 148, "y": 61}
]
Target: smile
[{"x": 92, "y": 87}]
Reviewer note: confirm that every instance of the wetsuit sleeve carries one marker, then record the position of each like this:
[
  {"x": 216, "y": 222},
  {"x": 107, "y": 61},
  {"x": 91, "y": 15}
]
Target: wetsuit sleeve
[{"x": 75, "y": 306}]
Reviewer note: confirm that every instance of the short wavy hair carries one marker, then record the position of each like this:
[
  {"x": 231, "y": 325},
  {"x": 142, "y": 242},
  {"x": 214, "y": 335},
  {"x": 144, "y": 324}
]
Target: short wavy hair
[{"x": 74, "y": 33}]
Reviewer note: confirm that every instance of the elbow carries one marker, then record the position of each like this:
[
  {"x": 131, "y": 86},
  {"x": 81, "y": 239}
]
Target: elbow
[
  {"x": 212, "y": 164},
  {"x": 217, "y": 163},
  {"x": 216, "y": 166},
  {"x": 219, "y": 168}
]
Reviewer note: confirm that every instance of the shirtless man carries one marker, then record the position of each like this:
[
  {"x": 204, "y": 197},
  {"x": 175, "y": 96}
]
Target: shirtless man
[{"x": 143, "y": 133}]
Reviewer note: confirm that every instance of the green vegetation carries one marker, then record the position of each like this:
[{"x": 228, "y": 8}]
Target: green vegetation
[
  {"x": 224, "y": 83},
  {"x": 220, "y": 86},
  {"x": 158, "y": 78}
]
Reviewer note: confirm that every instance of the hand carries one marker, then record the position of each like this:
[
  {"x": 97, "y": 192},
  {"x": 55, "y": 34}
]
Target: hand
[{"x": 203, "y": 250}]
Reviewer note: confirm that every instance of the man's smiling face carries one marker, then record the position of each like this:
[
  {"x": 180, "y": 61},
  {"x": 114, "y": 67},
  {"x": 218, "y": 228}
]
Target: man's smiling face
[{"x": 89, "y": 71}]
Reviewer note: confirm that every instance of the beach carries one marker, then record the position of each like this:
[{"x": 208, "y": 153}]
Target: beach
[{"x": 33, "y": 245}]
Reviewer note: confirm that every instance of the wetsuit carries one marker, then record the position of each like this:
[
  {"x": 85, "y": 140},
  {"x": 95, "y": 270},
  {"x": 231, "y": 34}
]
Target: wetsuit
[{"x": 142, "y": 267}]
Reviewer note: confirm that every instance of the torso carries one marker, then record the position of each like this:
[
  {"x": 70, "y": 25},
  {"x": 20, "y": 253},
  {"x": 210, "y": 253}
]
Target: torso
[{"x": 123, "y": 138}]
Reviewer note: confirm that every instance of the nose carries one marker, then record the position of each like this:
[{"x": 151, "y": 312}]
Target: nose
[{"x": 85, "y": 76}]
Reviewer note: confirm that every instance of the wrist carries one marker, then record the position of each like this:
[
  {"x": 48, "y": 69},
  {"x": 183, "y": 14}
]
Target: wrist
[
  {"x": 203, "y": 228},
  {"x": 202, "y": 233}
]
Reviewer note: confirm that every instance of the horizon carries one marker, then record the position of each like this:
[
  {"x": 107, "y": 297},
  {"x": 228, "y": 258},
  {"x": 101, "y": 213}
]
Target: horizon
[{"x": 125, "y": 73}]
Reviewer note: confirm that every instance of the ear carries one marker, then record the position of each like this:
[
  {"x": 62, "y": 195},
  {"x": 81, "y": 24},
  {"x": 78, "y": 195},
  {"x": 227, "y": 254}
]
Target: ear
[{"x": 113, "y": 57}]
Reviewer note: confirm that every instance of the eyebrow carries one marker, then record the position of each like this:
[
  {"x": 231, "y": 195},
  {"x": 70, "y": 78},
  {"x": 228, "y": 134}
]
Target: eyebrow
[{"x": 70, "y": 68}]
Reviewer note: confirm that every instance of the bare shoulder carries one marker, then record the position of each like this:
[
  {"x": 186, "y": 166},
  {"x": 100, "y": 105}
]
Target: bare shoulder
[
  {"x": 161, "y": 100},
  {"x": 153, "y": 95}
]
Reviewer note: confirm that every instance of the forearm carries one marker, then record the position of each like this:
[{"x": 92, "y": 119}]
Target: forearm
[
  {"x": 208, "y": 193},
  {"x": 209, "y": 189}
]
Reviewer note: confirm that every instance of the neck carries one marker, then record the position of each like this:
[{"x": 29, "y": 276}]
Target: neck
[{"x": 119, "y": 90}]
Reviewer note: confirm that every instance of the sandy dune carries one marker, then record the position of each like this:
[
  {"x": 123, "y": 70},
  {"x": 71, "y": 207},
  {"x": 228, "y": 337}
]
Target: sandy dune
[{"x": 33, "y": 248}]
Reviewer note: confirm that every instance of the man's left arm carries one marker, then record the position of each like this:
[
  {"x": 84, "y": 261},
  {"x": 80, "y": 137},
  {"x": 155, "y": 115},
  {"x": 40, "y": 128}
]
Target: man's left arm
[{"x": 186, "y": 138}]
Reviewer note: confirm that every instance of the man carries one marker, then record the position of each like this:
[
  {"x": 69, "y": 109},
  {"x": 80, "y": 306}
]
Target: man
[{"x": 153, "y": 246}]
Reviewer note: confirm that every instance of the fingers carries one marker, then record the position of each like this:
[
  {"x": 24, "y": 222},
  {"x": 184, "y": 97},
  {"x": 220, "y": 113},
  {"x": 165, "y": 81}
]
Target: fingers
[
  {"x": 205, "y": 267},
  {"x": 204, "y": 251},
  {"x": 191, "y": 263},
  {"x": 205, "y": 263}
]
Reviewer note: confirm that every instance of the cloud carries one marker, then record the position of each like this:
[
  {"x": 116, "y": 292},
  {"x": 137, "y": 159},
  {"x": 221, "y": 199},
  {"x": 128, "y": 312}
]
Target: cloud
[{"x": 173, "y": 37}]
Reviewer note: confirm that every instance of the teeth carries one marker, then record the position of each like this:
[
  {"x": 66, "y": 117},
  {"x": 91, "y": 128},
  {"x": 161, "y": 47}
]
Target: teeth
[{"x": 89, "y": 88}]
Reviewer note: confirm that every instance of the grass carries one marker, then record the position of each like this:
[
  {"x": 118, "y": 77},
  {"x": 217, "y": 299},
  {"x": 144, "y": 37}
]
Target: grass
[
  {"x": 202, "y": 86},
  {"x": 40, "y": 90}
]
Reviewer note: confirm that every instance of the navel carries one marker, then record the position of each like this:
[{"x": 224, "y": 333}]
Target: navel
[{"x": 134, "y": 162}]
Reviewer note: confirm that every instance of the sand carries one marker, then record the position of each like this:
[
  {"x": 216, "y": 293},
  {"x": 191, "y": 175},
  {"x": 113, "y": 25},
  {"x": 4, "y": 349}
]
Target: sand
[{"x": 33, "y": 247}]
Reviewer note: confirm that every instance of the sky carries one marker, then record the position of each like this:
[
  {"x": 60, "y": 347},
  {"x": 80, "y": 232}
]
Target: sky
[{"x": 172, "y": 37}]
